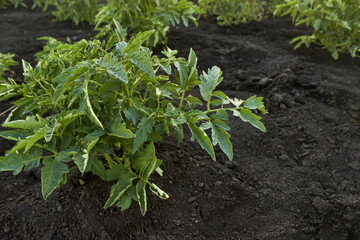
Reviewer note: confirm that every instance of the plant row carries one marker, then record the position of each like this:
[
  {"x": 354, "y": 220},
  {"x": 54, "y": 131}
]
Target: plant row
[{"x": 335, "y": 23}]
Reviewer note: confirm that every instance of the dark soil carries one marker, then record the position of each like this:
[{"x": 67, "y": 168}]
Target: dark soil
[{"x": 300, "y": 180}]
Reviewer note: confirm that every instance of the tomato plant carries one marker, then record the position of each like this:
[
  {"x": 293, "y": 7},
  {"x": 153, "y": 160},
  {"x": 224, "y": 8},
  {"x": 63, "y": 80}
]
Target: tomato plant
[
  {"x": 8, "y": 87},
  {"x": 102, "y": 106},
  {"x": 8, "y": 3},
  {"x": 238, "y": 11},
  {"x": 6, "y": 61},
  {"x": 75, "y": 10},
  {"x": 335, "y": 23},
  {"x": 231, "y": 12},
  {"x": 143, "y": 15}
]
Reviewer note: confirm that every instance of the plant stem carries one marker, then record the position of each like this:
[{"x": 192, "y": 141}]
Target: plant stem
[
  {"x": 182, "y": 99},
  {"x": 226, "y": 109},
  {"x": 7, "y": 110}
]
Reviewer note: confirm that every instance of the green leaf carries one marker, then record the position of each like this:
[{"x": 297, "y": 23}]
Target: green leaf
[
  {"x": 120, "y": 29},
  {"x": 16, "y": 161},
  {"x": 92, "y": 138},
  {"x": 216, "y": 102},
  {"x": 65, "y": 142},
  {"x": 115, "y": 172},
  {"x": 205, "y": 126},
  {"x": 255, "y": 103},
  {"x": 182, "y": 74},
  {"x": 193, "y": 101},
  {"x": 141, "y": 195},
  {"x": 221, "y": 114},
  {"x": 52, "y": 174},
  {"x": 114, "y": 68},
  {"x": 236, "y": 102},
  {"x": 144, "y": 129},
  {"x": 335, "y": 55},
  {"x": 166, "y": 66},
  {"x": 192, "y": 61},
  {"x": 142, "y": 61},
  {"x": 133, "y": 115},
  {"x": 124, "y": 202},
  {"x": 179, "y": 132},
  {"x": 221, "y": 137},
  {"x": 68, "y": 118},
  {"x": 29, "y": 123},
  {"x": 209, "y": 81},
  {"x": 15, "y": 135},
  {"x": 119, "y": 48},
  {"x": 63, "y": 156},
  {"x": 317, "y": 24},
  {"x": 81, "y": 159},
  {"x": 118, "y": 129},
  {"x": 105, "y": 148},
  {"x": 158, "y": 192},
  {"x": 97, "y": 167},
  {"x": 134, "y": 44},
  {"x": 34, "y": 138},
  {"x": 201, "y": 137},
  {"x": 66, "y": 79},
  {"x": 118, "y": 189},
  {"x": 146, "y": 161},
  {"x": 247, "y": 116},
  {"x": 20, "y": 145},
  {"x": 49, "y": 131},
  {"x": 221, "y": 95},
  {"x": 90, "y": 112},
  {"x": 221, "y": 124}
]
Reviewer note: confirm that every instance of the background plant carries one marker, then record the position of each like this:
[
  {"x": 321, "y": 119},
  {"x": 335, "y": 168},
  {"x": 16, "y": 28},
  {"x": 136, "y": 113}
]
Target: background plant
[
  {"x": 6, "y": 61},
  {"x": 103, "y": 106},
  {"x": 8, "y": 87},
  {"x": 143, "y": 15},
  {"x": 235, "y": 12},
  {"x": 335, "y": 23},
  {"x": 74, "y": 10},
  {"x": 7, "y": 3},
  {"x": 134, "y": 15}
]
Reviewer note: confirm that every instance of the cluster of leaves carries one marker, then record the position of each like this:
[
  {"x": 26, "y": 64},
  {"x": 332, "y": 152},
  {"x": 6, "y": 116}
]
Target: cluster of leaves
[
  {"x": 336, "y": 23},
  {"x": 6, "y": 61},
  {"x": 102, "y": 106},
  {"x": 143, "y": 15},
  {"x": 16, "y": 3},
  {"x": 75, "y": 10},
  {"x": 134, "y": 15},
  {"x": 8, "y": 87},
  {"x": 7, "y": 3},
  {"x": 235, "y": 12}
]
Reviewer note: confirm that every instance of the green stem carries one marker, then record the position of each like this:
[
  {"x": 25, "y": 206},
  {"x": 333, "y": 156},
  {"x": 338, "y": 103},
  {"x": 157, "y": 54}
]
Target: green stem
[
  {"x": 226, "y": 109},
  {"x": 43, "y": 147},
  {"x": 96, "y": 83},
  {"x": 182, "y": 99},
  {"x": 146, "y": 92},
  {"x": 42, "y": 86}
]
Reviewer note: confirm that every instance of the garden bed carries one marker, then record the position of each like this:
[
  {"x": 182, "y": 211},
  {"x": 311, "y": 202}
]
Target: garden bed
[{"x": 300, "y": 180}]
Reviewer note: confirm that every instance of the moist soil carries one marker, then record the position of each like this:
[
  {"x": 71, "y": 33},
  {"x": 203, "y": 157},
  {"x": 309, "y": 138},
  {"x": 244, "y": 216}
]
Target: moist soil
[{"x": 299, "y": 180}]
